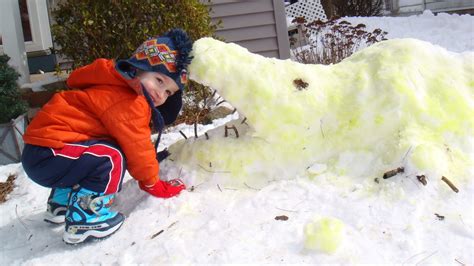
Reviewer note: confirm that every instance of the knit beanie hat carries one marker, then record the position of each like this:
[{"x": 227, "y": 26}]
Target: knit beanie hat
[{"x": 169, "y": 55}]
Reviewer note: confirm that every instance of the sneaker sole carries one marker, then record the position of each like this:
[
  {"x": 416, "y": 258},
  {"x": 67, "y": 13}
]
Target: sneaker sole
[
  {"x": 58, "y": 216},
  {"x": 54, "y": 219},
  {"x": 57, "y": 220},
  {"x": 73, "y": 239}
]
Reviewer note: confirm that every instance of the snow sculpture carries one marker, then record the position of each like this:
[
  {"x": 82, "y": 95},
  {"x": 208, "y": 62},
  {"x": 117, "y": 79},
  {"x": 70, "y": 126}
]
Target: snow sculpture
[{"x": 399, "y": 103}]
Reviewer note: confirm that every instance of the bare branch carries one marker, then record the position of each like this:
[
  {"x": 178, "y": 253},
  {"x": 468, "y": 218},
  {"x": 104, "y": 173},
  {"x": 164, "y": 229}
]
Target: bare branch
[
  {"x": 393, "y": 172},
  {"x": 451, "y": 185},
  {"x": 182, "y": 134}
]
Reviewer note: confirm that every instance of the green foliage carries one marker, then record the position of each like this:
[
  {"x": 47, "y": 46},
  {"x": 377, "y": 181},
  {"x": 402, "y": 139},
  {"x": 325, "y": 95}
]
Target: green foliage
[
  {"x": 89, "y": 29},
  {"x": 11, "y": 104}
]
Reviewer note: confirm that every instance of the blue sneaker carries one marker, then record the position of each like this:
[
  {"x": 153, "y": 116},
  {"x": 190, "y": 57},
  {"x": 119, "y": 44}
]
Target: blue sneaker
[
  {"x": 57, "y": 205},
  {"x": 89, "y": 216}
]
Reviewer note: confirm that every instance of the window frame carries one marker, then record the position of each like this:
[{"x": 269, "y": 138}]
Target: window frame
[{"x": 40, "y": 28}]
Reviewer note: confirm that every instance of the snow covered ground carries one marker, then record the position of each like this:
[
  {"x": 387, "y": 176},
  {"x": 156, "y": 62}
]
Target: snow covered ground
[
  {"x": 218, "y": 222},
  {"x": 453, "y": 32}
]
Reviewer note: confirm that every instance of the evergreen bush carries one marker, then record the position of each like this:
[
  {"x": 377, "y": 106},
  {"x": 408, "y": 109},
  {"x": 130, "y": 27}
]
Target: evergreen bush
[
  {"x": 89, "y": 29},
  {"x": 11, "y": 104}
]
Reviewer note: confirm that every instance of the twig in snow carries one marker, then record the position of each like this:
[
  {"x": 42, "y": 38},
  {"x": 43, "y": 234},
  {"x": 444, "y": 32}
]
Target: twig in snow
[
  {"x": 454, "y": 188},
  {"x": 462, "y": 221},
  {"x": 157, "y": 234},
  {"x": 416, "y": 184},
  {"x": 219, "y": 187},
  {"x": 194, "y": 187},
  {"x": 321, "y": 127},
  {"x": 182, "y": 134},
  {"x": 195, "y": 128},
  {"x": 285, "y": 210},
  {"x": 250, "y": 187},
  {"x": 459, "y": 262},
  {"x": 231, "y": 127},
  {"x": 172, "y": 224},
  {"x": 221, "y": 172},
  {"x": 426, "y": 257},
  {"x": 22, "y": 223},
  {"x": 281, "y": 218},
  {"x": 207, "y": 136},
  {"x": 440, "y": 217},
  {"x": 236, "y": 132},
  {"x": 403, "y": 263},
  {"x": 393, "y": 172},
  {"x": 422, "y": 179},
  {"x": 406, "y": 154},
  {"x": 200, "y": 184}
]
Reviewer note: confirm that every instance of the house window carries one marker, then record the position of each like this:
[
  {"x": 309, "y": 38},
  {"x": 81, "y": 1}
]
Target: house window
[
  {"x": 25, "y": 21},
  {"x": 35, "y": 24}
]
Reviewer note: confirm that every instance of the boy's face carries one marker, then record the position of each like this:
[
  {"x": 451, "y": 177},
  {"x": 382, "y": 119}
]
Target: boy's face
[{"x": 158, "y": 86}]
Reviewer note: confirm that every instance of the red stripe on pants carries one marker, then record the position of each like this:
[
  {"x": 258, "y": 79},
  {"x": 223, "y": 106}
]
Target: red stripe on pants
[{"x": 74, "y": 151}]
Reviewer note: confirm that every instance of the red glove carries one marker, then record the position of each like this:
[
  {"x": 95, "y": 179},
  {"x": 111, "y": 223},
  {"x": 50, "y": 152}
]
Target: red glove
[{"x": 164, "y": 189}]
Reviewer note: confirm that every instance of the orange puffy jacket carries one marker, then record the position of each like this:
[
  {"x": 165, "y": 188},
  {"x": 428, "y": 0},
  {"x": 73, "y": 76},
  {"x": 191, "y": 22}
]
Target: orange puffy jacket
[{"x": 104, "y": 107}]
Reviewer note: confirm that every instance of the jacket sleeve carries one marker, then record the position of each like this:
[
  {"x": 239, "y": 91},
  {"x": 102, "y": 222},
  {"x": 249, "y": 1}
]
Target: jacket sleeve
[{"x": 128, "y": 123}]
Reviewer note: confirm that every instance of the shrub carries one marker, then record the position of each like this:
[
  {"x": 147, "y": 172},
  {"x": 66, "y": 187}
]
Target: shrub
[
  {"x": 11, "y": 104},
  {"x": 90, "y": 29},
  {"x": 331, "y": 41},
  {"x": 354, "y": 8}
]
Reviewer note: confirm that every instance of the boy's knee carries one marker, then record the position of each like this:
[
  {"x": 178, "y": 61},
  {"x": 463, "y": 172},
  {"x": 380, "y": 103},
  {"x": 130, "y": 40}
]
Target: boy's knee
[{"x": 33, "y": 159}]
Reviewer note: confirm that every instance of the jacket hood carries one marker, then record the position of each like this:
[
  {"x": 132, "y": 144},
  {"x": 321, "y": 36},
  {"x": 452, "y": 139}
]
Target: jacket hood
[
  {"x": 100, "y": 72},
  {"x": 103, "y": 72}
]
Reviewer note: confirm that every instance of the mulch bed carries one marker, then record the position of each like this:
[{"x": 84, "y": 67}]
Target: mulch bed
[{"x": 6, "y": 188}]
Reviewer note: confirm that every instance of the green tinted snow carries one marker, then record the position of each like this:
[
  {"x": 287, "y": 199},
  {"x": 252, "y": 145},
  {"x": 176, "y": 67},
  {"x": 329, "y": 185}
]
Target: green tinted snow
[{"x": 397, "y": 103}]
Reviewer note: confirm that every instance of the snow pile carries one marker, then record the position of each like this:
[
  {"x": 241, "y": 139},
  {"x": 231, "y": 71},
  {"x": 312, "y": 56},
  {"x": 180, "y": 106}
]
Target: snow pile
[
  {"x": 400, "y": 103},
  {"x": 330, "y": 213},
  {"x": 452, "y": 31}
]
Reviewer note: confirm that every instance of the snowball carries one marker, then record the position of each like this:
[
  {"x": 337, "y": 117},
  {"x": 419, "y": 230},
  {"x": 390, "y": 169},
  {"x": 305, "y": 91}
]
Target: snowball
[{"x": 325, "y": 234}]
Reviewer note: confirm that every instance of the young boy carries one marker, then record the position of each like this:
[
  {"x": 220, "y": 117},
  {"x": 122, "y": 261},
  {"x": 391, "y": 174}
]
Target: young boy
[{"x": 80, "y": 143}]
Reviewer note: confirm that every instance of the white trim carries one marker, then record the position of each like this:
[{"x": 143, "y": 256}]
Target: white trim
[{"x": 40, "y": 28}]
